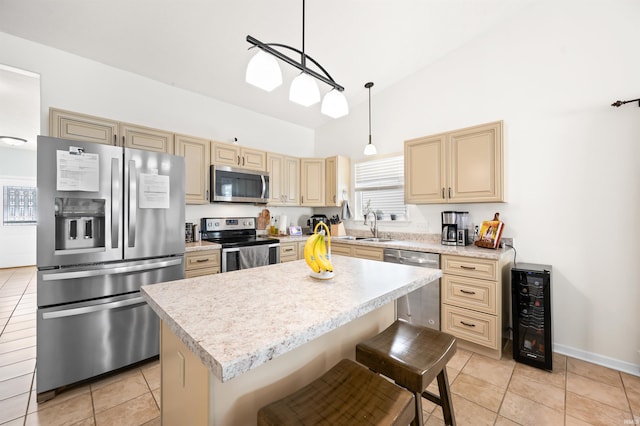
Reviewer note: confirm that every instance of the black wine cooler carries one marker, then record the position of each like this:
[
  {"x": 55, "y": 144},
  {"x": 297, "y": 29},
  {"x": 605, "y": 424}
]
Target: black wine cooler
[{"x": 531, "y": 314}]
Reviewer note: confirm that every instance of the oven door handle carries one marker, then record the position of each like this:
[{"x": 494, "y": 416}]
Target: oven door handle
[
  {"x": 108, "y": 271},
  {"x": 94, "y": 308},
  {"x": 234, "y": 249}
]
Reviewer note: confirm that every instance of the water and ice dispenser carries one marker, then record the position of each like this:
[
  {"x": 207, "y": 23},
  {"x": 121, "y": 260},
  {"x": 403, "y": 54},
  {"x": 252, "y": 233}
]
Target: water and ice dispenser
[{"x": 80, "y": 223}]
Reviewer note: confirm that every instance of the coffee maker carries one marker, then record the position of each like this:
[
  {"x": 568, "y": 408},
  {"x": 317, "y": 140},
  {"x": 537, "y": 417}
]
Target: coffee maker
[{"x": 455, "y": 228}]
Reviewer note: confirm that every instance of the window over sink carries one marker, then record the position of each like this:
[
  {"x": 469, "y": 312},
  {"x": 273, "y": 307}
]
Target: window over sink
[{"x": 379, "y": 186}]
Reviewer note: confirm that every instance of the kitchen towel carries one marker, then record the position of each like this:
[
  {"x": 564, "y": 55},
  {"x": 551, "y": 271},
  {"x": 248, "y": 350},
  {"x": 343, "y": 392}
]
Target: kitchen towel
[
  {"x": 253, "y": 256},
  {"x": 346, "y": 211}
]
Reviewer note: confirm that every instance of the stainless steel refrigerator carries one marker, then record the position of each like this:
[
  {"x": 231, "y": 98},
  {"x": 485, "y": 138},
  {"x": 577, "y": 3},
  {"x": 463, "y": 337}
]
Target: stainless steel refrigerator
[{"x": 110, "y": 220}]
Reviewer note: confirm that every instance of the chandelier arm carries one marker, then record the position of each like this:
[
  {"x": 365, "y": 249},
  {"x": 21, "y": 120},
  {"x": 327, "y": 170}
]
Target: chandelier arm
[
  {"x": 267, "y": 48},
  {"x": 620, "y": 103}
]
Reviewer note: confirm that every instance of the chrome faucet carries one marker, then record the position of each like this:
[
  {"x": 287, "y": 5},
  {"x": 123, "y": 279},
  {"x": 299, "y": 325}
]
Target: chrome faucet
[{"x": 374, "y": 226}]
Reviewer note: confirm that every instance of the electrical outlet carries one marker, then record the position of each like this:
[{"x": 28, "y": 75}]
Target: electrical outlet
[{"x": 506, "y": 241}]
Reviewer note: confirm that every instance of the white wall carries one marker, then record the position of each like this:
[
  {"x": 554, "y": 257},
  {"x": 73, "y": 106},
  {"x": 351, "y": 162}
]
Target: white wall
[
  {"x": 77, "y": 84},
  {"x": 572, "y": 161}
]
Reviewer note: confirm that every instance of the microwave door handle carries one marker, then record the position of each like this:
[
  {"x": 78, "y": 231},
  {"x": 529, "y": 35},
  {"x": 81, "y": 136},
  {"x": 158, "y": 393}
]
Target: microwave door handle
[
  {"x": 116, "y": 191},
  {"x": 264, "y": 186},
  {"x": 133, "y": 191}
]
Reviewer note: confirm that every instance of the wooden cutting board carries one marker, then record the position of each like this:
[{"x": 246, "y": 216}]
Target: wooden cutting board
[{"x": 264, "y": 219}]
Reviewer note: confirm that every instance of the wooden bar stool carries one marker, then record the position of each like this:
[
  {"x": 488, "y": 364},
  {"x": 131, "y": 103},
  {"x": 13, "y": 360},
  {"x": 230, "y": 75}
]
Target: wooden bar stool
[
  {"x": 412, "y": 356},
  {"x": 348, "y": 394}
]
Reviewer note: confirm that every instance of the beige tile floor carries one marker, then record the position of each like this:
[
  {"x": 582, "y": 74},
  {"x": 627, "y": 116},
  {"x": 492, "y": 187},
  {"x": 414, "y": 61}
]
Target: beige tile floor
[{"x": 485, "y": 391}]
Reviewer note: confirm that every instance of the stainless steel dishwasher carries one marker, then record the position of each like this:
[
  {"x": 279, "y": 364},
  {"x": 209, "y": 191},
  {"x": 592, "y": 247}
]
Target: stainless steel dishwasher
[{"x": 421, "y": 306}]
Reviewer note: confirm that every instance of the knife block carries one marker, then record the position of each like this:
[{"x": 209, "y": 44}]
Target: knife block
[{"x": 338, "y": 230}]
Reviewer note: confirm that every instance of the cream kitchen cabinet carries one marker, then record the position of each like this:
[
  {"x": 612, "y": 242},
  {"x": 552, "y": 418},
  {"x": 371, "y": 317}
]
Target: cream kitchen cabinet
[
  {"x": 475, "y": 302},
  {"x": 196, "y": 153},
  {"x": 145, "y": 138},
  {"x": 462, "y": 166},
  {"x": 360, "y": 251},
  {"x": 292, "y": 250},
  {"x": 82, "y": 127},
  {"x": 201, "y": 262},
  {"x": 238, "y": 156},
  {"x": 87, "y": 128},
  {"x": 337, "y": 171},
  {"x": 284, "y": 180},
  {"x": 312, "y": 182}
]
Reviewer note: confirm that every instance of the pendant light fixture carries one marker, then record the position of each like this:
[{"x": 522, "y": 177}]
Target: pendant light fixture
[
  {"x": 263, "y": 72},
  {"x": 370, "y": 149},
  {"x": 12, "y": 140}
]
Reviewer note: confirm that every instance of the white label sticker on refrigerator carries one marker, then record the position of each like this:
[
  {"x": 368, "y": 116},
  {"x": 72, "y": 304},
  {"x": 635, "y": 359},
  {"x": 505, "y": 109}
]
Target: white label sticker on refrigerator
[
  {"x": 77, "y": 171},
  {"x": 154, "y": 191}
]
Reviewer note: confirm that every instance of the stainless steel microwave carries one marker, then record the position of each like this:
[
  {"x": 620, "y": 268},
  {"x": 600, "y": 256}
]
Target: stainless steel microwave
[{"x": 236, "y": 185}]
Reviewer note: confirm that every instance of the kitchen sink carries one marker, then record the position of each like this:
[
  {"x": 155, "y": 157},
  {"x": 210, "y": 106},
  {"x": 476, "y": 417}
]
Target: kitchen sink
[{"x": 376, "y": 240}]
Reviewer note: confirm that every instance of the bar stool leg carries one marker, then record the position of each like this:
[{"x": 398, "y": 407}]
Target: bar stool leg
[
  {"x": 418, "y": 419},
  {"x": 445, "y": 398}
]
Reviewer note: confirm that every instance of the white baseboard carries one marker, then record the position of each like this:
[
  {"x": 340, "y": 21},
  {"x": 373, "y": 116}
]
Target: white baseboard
[{"x": 602, "y": 360}]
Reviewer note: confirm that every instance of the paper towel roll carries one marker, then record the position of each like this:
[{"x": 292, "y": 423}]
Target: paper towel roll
[{"x": 283, "y": 224}]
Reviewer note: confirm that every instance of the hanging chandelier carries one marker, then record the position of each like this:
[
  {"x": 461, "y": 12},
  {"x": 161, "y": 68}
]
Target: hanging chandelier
[{"x": 264, "y": 72}]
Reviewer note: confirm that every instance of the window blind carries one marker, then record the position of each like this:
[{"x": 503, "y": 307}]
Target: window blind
[{"x": 380, "y": 182}]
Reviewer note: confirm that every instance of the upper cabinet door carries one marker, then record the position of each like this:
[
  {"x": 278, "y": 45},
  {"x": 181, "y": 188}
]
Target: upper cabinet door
[
  {"x": 338, "y": 171},
  {"x": 145, "y": 138},
  {"x": 82, "y": 127},
  {"x": 312, "y": 182},
  {"x": 475, "y": 169},
  {"x": 225, "y": 153},
  {"x": 291, "y": 182},
  {"x": 253, "y": 159},
  {"x": 425, "y": 170},
  {"x": 196, "y": 154}
]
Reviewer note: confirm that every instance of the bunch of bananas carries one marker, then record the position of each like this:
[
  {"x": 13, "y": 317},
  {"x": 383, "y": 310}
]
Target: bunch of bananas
[{"x": 315, "y": 251}]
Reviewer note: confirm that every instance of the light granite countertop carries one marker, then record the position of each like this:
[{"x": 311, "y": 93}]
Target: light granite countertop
[
  {"x": 201, "y": 245},
  {"x": 417, "y": 245},
  {"x": 236, "y": 321}
]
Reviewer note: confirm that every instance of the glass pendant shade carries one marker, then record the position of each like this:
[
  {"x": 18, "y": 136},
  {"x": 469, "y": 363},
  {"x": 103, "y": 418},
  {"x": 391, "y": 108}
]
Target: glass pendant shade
[
  {"x": 12, "y": 140},
  {"x": 334, "y": 104},
  {"x": 370, "y": 149},
  {"x": 304, "y": 90},
  {"x": 264, "y": 72}
]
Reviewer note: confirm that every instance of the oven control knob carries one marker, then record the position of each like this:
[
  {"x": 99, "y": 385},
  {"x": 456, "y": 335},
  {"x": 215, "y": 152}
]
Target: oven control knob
[{"x": 216, "y": 224}]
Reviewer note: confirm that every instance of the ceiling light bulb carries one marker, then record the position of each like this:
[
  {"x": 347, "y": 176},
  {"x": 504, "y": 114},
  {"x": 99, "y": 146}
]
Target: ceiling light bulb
[
  {"x": 370, "y": 149},
  {"x": 334, "y": 104},
  {"x": 263, "y": 71},
  {"x": 304, "y": 90}
]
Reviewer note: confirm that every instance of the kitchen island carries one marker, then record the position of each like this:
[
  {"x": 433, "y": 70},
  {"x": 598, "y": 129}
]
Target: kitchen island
[{"x": 234, "y": 342}]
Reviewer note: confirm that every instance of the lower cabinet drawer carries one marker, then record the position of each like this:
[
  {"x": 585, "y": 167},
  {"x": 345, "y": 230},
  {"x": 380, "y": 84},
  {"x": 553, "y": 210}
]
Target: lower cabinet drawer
[
  {"x": 343, "y": 250},
  {"x": 191, "y": 273},
  {"x": 368, "y": 253},
  {"x": 471, "y": 293},
  {"x": 203, "y": 262},
  {"x": 288, "y": 252},
  {"x": 469, "y": 325}
]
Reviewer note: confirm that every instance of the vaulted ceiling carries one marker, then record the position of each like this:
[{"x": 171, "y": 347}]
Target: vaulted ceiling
[{"x": 200, "y": 45}]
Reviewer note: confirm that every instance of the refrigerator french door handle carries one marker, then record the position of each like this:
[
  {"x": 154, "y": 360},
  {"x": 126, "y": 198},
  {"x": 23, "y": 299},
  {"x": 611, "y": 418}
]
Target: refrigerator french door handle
[
  {"x": 116, "y": 191},
  {"x": 110, "y": 271},
  {"x": 264, "y": 186},
  {"x": 90, "y": 309},
  {"x": 133, "y": 191}
]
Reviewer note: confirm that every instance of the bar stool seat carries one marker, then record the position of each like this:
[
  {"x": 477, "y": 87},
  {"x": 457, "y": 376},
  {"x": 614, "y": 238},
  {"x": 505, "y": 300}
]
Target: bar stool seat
[
  {"x": 347, "y": 394},
  {"x": 412, "y": 356}
]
